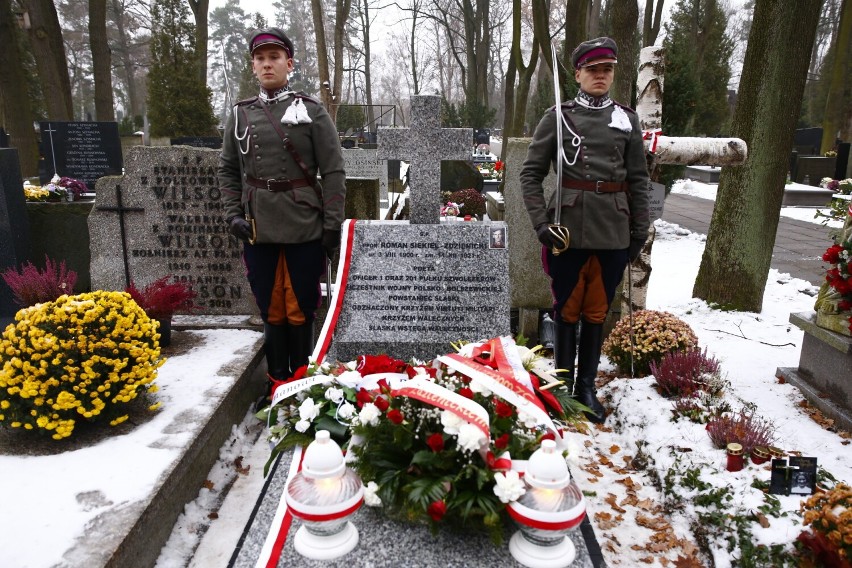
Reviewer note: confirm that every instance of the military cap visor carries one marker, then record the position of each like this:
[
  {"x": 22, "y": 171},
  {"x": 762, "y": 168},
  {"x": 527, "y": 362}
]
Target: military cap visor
[
  {"x": 595, "y": 52},
  {"x": 270, "y": 36}
]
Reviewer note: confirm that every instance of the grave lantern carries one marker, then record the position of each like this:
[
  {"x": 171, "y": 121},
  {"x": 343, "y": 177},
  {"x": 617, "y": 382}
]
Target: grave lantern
[
  {"x": 323, "y": 495},
  {"x": 552, "y": 507}
]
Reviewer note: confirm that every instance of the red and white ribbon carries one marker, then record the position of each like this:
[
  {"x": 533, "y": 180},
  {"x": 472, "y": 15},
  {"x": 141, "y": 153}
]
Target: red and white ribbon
[
  {"x": 424, "y": 390},
  {"x": 654, "y": 136}
]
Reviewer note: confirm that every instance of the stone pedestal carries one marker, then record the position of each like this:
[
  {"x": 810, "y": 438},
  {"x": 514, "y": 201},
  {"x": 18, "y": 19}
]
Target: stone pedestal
[
  {"x": 824, "y": 374},
  {"x": 362, "y": 199}
]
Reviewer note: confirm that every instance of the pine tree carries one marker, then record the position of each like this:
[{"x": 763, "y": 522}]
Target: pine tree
[
  {"x": 179, "y": 103},
  {"x": 698, "y": 51}
]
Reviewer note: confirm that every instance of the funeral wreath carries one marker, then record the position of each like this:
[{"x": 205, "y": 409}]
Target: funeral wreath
[{"x": 441, "y": 442}]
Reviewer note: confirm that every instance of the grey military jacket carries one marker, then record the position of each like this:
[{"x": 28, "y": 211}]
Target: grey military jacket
[
  {"x": 252, "y": 147},
  {"x": 605, "y": 153}
]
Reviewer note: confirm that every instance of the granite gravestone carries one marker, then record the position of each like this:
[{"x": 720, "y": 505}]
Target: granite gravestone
[
  {"x": 365, "y": 164},
  {"x": 414, "y": 288},
  {"x": 14, "y": 227},
  {"x": 164, "y": 217},
  {"x": 80, "y": 150},
  {"x": 214, "y": 142}
]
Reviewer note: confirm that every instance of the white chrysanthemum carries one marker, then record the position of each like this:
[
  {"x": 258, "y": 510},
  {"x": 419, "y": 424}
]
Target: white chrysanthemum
[
  {"x": 346, "y": 411},
  {"x": 351, "y": 379},
  {"x": 479, "y": 388},
  {"x": 451, "y": 422},
  {"x": 369, "y": 415},
  {"x": 302, "y": 425},
  {"x": 334, "y": 394},
  {"x": 370, "y": 497},
  {"x": 470, "y": 437},
  {"x": 309, "y": 409},
  {"x": 528, "y": 420},
  {"x": 508, "y": 486}
]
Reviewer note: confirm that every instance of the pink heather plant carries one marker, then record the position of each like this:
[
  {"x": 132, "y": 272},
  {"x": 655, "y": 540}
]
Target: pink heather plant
[
  {"x": 743, "y": 428},
  {"x": 682, "y": 373},
  {"x": 32, "y": 286}
]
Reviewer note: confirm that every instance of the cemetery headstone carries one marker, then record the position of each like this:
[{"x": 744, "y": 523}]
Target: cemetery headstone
[
  {"x": 362, "y": 164},
  {"x": 164, "y": 216},
  {"x": 80, "y": 150},
  {"x": 458, "y": 175},
  {"x": 807, "y": 141},
  {"x": 842, "y": 164},
  {"x": 14, "y": 227},
  {"x": 414, "y": 288},
  {"x": 4, "y": 138},
  {"x": 214, "y": 142}
]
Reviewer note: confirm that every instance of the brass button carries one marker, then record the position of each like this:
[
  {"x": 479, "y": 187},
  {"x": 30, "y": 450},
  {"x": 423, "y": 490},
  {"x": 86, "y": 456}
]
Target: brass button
[{"x": 588, "y": 176}]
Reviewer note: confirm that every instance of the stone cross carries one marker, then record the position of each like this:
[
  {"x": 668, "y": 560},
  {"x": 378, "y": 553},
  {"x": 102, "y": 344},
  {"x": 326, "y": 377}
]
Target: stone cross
[
  {"x": 424, "y": 146},
  {"x": 121, "y": 210},
  {"x": 50, "y": 130}
]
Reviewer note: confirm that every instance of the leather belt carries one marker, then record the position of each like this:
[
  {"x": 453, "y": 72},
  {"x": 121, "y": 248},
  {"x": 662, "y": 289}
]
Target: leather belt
[
  {"x": 596, "y": 186},
  {"x": 277, "y": 184}
]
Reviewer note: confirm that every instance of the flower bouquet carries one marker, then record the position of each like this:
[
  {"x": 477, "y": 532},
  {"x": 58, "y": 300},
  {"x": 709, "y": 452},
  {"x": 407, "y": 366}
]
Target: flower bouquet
[
  {"x": 837, "y": 207},
  {"x": 437, "y": 442},
  {"x": 491, "y": 170},
  {"x": 829, "y": 514},
  {"x": 835, "y": 295}
]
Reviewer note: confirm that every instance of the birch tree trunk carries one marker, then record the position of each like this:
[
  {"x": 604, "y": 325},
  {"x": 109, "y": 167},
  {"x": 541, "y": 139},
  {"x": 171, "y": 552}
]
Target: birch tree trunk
[
  {"x": 742, "y": 231},
  {"x": 101, "y": 67}
]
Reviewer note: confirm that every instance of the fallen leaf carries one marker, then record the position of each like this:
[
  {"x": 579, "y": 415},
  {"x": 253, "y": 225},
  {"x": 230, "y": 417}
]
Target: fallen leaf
[
  {"x": 214, "y": 515},
  {"x": 647, "y": 560},
  {"x": 238, "y": 465},
  {"x": 631, "y": 500},
  {"x": 610, "y": 500},
  {"x": 761, "y": 518},
  {"x": 605, "y": 520},
  {"x": 645, "y": 504},
  {"x": 613, "y": 449},
  {"x": 653, "y": 523},
  {"x": 688, "y": 562},
  {"x": 207, "y": 484},
  {"x": 588, "y": 443}
]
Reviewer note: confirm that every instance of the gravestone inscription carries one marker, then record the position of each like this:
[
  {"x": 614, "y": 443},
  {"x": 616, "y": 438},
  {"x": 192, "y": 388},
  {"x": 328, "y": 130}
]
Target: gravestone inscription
[
  {"x": 214, "y": 142},
  {"x": 173, "y": 225},
  {"x": 80, "y": 150},
  {"x": 413, "y": 289},
  {"x": 14, "y": 227}
]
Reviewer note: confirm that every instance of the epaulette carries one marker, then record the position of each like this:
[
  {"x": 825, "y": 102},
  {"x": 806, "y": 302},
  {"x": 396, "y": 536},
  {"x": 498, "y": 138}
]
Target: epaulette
[
  {"x": 625, "y": 107},
  {"x": 246, "y": 101},
  {"x": 303, "y": 95}
]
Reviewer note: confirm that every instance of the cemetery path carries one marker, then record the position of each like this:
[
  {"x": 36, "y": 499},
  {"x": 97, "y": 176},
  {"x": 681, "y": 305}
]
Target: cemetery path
[{"x": 799, "y": 245}]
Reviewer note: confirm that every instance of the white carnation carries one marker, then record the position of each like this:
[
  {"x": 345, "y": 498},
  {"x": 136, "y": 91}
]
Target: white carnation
[
  {"x": 479, "y": 388},
  {"x": 346, "y": 411},
  {"x": 528, "y": 420},
  {"x": 303, "y": 425},
  {"x": 309, "y": 409},
  {"x": 470, "y": 437},
  {"x": 509, "y": 486},
  {"x": 370, "y": 497},
  {"x": 334, "y": 394},
  {"x": 369, "y": 414},
  {"x": 451, "y": 422},
  {"x": 351, "y": 379}
]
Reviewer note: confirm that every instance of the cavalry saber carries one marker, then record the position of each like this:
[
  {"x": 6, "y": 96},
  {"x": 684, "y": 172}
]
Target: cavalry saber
[{"x": 559, "y": 232}]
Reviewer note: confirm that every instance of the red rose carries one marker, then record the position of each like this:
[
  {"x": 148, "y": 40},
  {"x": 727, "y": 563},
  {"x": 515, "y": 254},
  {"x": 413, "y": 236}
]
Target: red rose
[
  {"x": 437, "y": 510},
  {"x": 395, "y": 416},
  {"x": 382, "y": 403},
  {"x": 832, "y": 255},
  {"x": 435, "y": 442},
  {"x": 503, "y": 410},
  {"x": 466, "y": 392},
  {"x": 371, "y": 364},
  {"x": 498, "y": 166},
  {"x": 501, "y": 442},
  {"x": 363, "y": 397}
]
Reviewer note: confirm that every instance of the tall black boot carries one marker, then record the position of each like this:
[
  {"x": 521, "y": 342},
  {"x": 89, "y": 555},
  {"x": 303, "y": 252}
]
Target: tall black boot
[
  {"x": 565, "y": 351},
  {"x": 301, "y": 339},
  {"x": 591, "y": 339},
  {"x": 277, "y": 359}
]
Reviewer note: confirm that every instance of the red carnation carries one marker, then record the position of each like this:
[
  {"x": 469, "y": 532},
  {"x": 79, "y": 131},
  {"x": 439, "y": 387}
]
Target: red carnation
[
  {"x": 435, "y": 442},
  {"x": 395, "y": 416},
  {"x": 466, "y": 392},
  {"x": 503, "y": 410},
  {"x": 437, "y": 510},
  {"x": 382, "y": 403},
  {"x": 832, "y": 255},
  {"x": 501, "y": 442},
  {"x": 498, "y": 166},
  {"x": 372, "y": 364}
]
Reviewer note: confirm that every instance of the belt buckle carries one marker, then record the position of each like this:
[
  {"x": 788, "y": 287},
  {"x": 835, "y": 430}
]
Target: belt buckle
[
  {"x": 285, "y": 182},
  {"x": 598, "y": 187},
  {"x": 268, "y": 187}
]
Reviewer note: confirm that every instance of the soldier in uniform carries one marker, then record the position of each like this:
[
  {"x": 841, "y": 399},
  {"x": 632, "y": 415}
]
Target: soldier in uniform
[
  {"x": 604, "y": 207},
  {"x": 274, "y": 146}
]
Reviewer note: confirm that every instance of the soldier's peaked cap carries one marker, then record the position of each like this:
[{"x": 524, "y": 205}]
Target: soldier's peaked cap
[
  {"x": 594, "y": 51},
  {"x": 270, "y": 36}
]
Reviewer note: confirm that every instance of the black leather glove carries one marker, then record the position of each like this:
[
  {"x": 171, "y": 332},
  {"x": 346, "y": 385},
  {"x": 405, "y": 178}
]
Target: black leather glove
[
  {"x": 545, "y": 237},
  {"x": 239, "y": 227},
  {"x": 635, "y": 248},
  {"x": 330, "y": 242}
]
